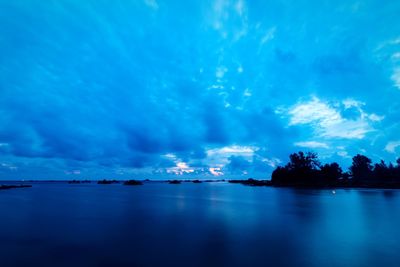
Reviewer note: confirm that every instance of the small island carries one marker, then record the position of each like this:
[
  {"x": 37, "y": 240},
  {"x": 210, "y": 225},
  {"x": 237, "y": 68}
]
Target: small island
[
  {"x": 5, "y": 187},
  {"x": 174, "y": 182},
  {"x": 104, "y": 181},
  {"x": 79, "y": 182},
  {"x": 133, "y": 182}
]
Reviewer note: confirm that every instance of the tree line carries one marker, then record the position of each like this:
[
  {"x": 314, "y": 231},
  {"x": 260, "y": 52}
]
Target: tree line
[{"x": 304, "y": 169}]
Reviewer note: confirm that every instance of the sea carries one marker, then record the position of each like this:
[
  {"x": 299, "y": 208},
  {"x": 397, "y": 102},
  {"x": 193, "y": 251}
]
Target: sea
[{"x": 56, "y": 224}]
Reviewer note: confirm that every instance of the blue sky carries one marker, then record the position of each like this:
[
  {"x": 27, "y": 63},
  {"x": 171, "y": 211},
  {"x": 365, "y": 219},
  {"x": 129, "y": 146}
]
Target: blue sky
[{"x": 160, "y": 89}]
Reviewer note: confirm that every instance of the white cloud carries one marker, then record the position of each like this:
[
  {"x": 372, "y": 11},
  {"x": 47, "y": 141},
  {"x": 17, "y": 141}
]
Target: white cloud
[
  {"x": 327, "y": 120},
  {"x": 391, "y": 146},
  {"x": 220, "y": 156},
  {"x": 271, "y": 162},
  {"x": 170, "y": 156},
  {"x": 347, "y": 129},
  {"x": 216, "y": 171},
  {"x": 232, "y": 150},
  {"x": 396, "y": 77},
  {"x": 314, "y": 111},
  {"x": 349, "y": 103},
  {"x": 374, "y": 117},
  {"x": 391, "y": 47},
  {"x": 343, "y": 154},
  {"x": 311, "y": 144},
  {"x": 216, "y": 86},
  {"x": 247, "y": 92},
  {"x": 180, "y": 169}
]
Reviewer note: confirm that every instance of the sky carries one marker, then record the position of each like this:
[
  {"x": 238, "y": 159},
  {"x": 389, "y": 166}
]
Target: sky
[{"x": 162, "y": 89}]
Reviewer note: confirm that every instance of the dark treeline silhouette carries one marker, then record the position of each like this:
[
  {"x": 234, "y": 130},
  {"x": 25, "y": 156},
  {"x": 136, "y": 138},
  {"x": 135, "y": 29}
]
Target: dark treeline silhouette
[{"x": 304, "y": 169}]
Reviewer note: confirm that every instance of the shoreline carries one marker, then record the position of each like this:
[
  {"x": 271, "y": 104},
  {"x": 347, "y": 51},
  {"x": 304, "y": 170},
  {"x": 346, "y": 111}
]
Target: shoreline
[{"x": 7, "y": 184}]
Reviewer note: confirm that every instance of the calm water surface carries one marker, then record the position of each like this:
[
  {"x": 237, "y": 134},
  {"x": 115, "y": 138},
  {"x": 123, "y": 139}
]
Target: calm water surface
[{"x": 209, "y": 224}]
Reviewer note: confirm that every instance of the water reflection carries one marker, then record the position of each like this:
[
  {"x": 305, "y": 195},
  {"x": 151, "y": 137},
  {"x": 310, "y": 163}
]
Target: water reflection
[{"x": 206, "y": 224}]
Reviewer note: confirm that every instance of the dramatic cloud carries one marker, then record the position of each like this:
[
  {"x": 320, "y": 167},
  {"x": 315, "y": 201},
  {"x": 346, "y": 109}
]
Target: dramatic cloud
[
  {"x": 214, "y": 88},
  {"x": 328, "y": 120}
]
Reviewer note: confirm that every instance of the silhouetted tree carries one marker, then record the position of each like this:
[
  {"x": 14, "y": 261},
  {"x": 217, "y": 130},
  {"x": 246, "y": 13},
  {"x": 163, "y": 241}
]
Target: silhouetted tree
[
  {"x": 281, "y": 176},
  {"x": 330, "y": 173},
  {"x": 302, "y": 169},
  {"x": 305, "y": 161},
  {"x": 346, "y": 176},
  {"x": 392, "y": 173},
  {"x": 361, "y": 168},
  {"x": 381, "y": 171}
]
